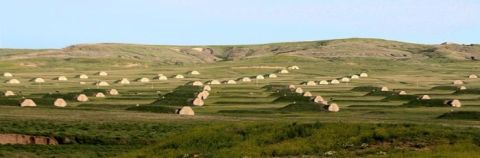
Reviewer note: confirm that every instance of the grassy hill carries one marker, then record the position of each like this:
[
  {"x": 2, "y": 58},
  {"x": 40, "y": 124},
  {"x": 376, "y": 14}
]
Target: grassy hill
[{"x": 340, "y": 48}]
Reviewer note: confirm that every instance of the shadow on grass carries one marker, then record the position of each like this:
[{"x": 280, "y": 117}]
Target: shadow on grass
[
  {"x": 170, "y": 102},
  {"x": 461, "y": 115},
  {"x": 266, "y": 111},
  {"x": 303, "y": 107},
  {"x": 467, "y": 91},
  {"x": 179, "y": 97},
  {"x": 365, "y": 89},
  {"x": 426, "y": 103},
  {"x": 10, "y": 101},
  {"x": 154, "y": 109},
  {"x": 452, "y": 88}
]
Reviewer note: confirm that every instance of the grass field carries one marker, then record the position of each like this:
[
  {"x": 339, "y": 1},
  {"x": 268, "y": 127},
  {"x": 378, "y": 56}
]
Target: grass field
[{"x": 246, "y": 119}]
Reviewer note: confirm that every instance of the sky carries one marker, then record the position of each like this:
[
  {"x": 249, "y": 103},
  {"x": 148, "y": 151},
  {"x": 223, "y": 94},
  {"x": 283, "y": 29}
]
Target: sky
[{"x": 60, "y": 23}]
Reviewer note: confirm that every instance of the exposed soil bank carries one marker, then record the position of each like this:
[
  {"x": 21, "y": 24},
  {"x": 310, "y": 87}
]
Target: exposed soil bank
[{"x": 26, "y": 139}]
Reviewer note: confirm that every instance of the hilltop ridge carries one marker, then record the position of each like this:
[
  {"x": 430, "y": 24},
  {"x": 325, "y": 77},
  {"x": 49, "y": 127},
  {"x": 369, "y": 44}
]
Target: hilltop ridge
[{"x": 171, "y": 54}]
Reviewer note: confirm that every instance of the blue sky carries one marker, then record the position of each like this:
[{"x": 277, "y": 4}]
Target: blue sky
[{"x": 59, "y": 23}]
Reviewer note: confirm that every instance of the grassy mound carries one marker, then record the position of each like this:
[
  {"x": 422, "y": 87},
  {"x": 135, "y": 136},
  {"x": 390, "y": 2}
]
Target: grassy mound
[{"x": 461, "y": 115}]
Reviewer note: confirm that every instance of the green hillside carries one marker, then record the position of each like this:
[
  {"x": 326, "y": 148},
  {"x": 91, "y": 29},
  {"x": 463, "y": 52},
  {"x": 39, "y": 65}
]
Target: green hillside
[{"x": 341, "y": 48}]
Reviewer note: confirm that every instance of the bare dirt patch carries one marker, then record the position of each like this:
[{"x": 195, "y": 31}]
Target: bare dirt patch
[{"x": 26, "y": 139}]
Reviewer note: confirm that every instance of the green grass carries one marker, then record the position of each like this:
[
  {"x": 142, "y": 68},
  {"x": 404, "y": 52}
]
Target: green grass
[
  {"x": 310, "y": 139},
  {"x": 112, "y": 133}
]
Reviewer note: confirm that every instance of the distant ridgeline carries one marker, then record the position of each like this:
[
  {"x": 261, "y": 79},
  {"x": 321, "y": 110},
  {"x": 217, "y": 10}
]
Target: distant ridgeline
[{"x": 341, "y": 48}]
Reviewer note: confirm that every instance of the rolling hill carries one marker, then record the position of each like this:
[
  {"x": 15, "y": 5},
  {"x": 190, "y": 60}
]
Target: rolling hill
[{"x": 340, "y": 48}]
